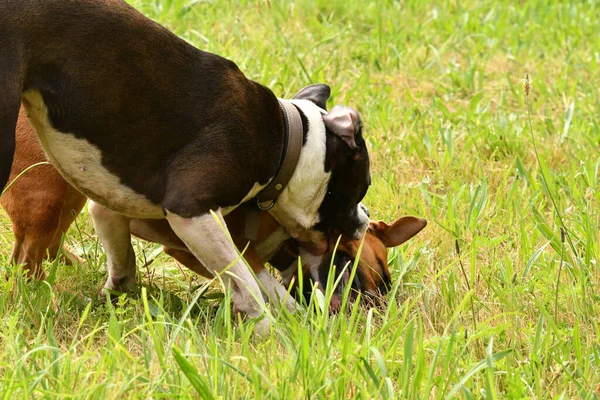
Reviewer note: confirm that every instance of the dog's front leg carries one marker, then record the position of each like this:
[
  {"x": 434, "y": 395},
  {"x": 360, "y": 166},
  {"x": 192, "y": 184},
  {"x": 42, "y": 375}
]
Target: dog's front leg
[
  {"x": 206, "y": 237},
  {"x": 271, "y": 287},
  {"x": 276, "y": 292},
  {"x": 114, "y": 234}
]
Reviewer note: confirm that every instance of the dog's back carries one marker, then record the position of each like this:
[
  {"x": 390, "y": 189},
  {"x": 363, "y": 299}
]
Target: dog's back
[{"x": 128, "y": 78}]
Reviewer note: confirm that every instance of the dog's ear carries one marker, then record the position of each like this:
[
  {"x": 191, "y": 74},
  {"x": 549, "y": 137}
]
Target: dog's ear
[
  {"x": 399, "y": 232},
  {"x": 343, "y": 122},
  {"x": 318, "y": 94}
]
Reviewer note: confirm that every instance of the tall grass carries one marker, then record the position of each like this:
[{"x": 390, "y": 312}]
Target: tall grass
[{"x": 438, "y": 86}]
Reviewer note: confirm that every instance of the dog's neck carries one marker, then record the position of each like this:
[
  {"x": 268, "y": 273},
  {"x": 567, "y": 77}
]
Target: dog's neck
[
  {"x": 297, "y": 208},
  {"x": 292, "y": 147}
]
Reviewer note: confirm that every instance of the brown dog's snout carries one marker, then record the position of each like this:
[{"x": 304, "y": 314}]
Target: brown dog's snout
[{"x": 372, "y": 279}]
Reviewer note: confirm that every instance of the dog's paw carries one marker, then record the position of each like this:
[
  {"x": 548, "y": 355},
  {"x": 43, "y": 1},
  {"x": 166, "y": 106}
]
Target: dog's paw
[
  {"x": 292, "y": 305},
  {"x": 287, "y": 301},
  {"x": 262, "y": 327},
  {"x": 117, "y": 285},
  {"x": 274, "y": 292}
]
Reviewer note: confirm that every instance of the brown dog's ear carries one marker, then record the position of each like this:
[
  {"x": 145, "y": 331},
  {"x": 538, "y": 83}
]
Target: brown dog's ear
[
  {"x": 318, "y": 94},
  {"x": 343, "y": 122},
  {"x": 399, "y": 232}
]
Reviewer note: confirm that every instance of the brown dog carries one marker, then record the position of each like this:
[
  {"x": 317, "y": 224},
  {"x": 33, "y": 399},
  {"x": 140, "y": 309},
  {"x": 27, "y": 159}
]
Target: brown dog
[{"x": 42, "y": 206}]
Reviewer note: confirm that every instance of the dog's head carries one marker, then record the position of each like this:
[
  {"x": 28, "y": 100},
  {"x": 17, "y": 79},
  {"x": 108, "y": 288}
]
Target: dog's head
[
  {"x": 332, "y": 176},
  {"x": 372, "y": 278}
]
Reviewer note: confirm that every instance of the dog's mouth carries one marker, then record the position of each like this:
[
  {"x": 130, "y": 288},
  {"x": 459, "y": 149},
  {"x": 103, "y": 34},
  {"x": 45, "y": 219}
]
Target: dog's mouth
[{"x": 337, "y": 270}]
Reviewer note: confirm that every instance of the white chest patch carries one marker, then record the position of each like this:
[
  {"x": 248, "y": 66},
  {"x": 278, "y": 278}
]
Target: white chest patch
[
  {"x": 297, "y": 208},
  {"x": 80, "y": 163}
]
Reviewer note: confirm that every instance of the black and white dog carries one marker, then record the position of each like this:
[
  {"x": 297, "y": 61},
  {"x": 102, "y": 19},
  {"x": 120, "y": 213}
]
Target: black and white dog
[{"x": 147, "y": 126}]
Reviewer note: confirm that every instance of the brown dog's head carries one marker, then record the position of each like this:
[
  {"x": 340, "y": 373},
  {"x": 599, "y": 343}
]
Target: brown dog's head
[{"x": 372, "y": 278}]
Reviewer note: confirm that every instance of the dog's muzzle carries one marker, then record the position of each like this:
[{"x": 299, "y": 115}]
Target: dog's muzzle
[
  {"x": 363, "y": 222},
  {"x": 365, "y": 209}
]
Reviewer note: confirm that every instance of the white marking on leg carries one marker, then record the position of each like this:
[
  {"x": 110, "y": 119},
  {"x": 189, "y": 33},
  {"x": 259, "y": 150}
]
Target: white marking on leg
[
  {"x": 207, "y": 238},
  {"x": 289, "y": 273},
  {"x": 307, "y": 259},
  {"x": 313, "y": 262},
  {"x": 275, "y": 291},
  {"x": 113, "y": 231}
]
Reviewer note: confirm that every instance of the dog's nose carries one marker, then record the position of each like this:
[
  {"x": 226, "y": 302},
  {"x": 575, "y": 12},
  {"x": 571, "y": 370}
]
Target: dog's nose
[{"x": 365, "y": 209}]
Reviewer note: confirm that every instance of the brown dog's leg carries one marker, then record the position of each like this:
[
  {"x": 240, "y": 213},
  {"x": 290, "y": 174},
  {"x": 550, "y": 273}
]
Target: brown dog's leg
[
  {"x": 37, "y": 216},
  {"x": 30, "y": 249},
  {"x": 74, "y": 202},
  {"x": 36, "y": 202}
]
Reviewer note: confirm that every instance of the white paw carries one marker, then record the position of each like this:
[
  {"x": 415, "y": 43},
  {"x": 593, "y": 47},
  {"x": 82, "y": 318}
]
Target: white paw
[
  {"x": 119, "y": 284},
  {"x": 291, "y": 305},
  {"x": 262, "y": 327}
]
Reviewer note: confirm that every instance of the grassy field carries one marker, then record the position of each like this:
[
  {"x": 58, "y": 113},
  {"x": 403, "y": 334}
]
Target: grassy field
[{"x": 490, "y": 301}]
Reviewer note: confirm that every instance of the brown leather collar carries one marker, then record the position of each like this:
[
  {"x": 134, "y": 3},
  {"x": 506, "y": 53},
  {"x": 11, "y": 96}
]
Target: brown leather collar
[{"x": 291, "y": 154}]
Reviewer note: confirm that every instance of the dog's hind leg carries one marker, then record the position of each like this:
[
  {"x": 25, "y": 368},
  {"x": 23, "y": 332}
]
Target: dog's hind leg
[
  {"x": 74, "y": 202},
  {"x": 114, "y": 234},
  {"x": 30, "y": 250},
  {"x": 207, "y": 239},
  {"x": 34, "y": 206}
]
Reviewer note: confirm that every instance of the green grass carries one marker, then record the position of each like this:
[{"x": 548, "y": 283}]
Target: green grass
[{"x": 439, "y": 89}]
